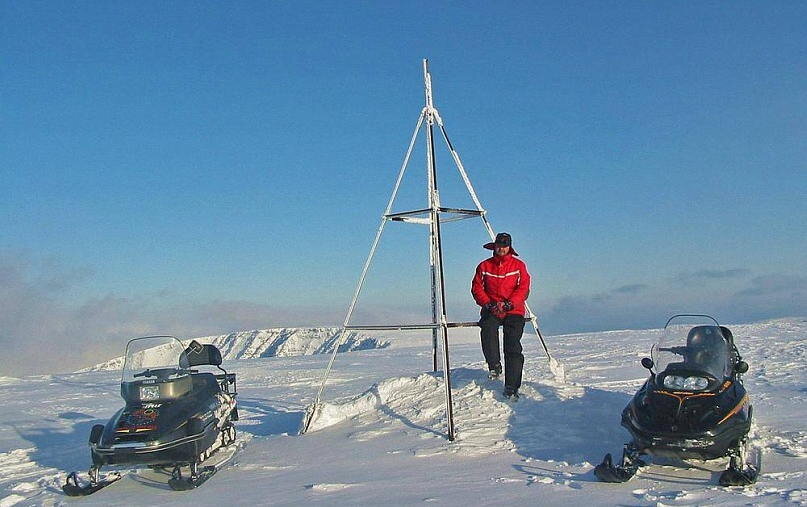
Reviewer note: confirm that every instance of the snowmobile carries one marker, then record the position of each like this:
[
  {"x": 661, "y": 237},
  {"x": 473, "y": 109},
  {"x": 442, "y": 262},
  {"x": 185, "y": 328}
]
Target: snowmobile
[
  {"x": 693, "y": 406},
  {"x": 175, "y": 416}
]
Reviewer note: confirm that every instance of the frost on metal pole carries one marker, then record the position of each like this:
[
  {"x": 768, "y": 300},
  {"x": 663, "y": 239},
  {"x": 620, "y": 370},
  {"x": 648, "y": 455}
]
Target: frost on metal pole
[
  {"x": 431, "y": 197},
  {"x": 436, "y": 252},
  {"x": 433, "y": 216}
]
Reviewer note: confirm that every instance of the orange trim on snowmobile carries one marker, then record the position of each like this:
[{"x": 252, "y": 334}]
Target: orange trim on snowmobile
[
  {"x": 736, "y": 409},
  {"x": 682, "y": 397},
  {"x": 692, "y": 395}
]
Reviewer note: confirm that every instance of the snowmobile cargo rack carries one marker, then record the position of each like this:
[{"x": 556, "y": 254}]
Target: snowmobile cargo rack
[{"x": 225, "y": 380}]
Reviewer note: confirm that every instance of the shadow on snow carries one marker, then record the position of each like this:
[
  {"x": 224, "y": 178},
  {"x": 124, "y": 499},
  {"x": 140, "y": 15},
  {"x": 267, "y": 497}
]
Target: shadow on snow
[{"x": 261, "y": 419}]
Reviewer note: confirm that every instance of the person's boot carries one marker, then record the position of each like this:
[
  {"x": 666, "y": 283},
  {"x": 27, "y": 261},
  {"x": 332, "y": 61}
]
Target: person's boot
[
  {"x": 495, "y": 372},
  {"x": 510, "y": 393}
]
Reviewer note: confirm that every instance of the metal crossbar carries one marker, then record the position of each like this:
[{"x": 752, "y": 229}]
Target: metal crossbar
[
  {"x": 405, "y": 327},
  {"x": 417, "y": 212},
  {"x": 460, "y": 211},
  {"x": 424, "y": 212}
]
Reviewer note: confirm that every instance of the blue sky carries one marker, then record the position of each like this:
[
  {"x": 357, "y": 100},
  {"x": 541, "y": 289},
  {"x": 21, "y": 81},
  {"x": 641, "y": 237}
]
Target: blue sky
[{"x": 202, "y": 167}]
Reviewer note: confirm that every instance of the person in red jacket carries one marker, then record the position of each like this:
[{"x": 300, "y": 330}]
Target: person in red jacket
[{"x": 500, "y": 286}]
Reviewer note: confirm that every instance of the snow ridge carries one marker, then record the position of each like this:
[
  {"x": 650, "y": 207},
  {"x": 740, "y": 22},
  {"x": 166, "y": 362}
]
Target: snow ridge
[{"x": 277, "y": 342}]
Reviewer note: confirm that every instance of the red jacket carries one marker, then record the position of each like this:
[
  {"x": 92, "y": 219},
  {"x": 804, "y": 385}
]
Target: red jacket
[{"x": 502, "y": 278}]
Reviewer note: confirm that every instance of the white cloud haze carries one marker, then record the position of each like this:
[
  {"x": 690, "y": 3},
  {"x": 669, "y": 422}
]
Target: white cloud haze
[{"x": 43, "y": 331}]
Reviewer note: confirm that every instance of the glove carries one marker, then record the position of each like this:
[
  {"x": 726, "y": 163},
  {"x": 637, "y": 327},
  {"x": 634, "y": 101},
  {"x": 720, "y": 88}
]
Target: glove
[
  {"x": 507, "y": 306},
  {"x": 497, "y": 309}
]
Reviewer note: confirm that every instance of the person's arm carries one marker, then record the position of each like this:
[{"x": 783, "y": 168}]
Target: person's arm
[
  {"x": 478, "y": 288},
  {"x": 522, "y": 290}
]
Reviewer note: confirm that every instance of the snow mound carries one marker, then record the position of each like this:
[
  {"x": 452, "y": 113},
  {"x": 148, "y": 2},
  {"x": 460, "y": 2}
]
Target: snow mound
[
  {"x": 552, "y": 421},
  {"x": 392, "y": 393},
  {"x": 278, "y": 342},
  {"x": 485, "y": 422}
]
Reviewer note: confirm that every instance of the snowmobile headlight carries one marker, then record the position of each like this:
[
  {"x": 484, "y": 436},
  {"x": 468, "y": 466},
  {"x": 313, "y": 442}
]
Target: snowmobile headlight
[
  {"x": 670, "y": 382},
  {"x": 695, "y": 383},
  {"x": 685, "y": 383},
  {"x": 150, "y": 392}
]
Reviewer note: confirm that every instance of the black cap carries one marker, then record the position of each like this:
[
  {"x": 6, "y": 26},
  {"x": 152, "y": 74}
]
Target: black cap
[{"x": 502, "y": 239}]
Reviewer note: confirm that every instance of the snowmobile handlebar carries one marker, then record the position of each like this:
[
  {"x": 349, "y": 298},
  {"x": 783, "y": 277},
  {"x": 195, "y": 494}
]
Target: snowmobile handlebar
[
  {"x": 163, "y": 372},
  {"x": 680, "y": 350}
]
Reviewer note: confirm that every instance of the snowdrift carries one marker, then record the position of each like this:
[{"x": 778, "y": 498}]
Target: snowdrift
[{"x": 551, "y": 420}]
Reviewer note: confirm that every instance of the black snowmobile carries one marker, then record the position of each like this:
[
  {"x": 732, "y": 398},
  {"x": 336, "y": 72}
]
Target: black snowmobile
[
  {"x": 174, "y": 416},
  {"x": 694, "y": 405}
]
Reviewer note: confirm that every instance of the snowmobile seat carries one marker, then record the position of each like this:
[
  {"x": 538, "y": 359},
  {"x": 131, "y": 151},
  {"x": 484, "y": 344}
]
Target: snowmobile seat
[
  {"x": 727, "y": 334},
  {"x": 703, "y": 344},
  {"x": 704, "y": 338},
  {"x": 198, "y": 355},
  {"x": 201, "y": 355},
  {"x": 734, "y": 354}
]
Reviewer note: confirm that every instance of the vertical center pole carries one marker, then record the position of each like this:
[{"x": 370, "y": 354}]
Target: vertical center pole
[
  {"x": 436, "y": 251},
  {"x": 430, "y": 195}
]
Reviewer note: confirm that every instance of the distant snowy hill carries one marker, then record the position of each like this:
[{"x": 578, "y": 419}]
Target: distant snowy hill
[{"x": 278, "y": 342}]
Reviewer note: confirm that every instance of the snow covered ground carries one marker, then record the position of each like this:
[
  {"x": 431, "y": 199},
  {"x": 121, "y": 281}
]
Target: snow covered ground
[{"x": 390, "y": 447}]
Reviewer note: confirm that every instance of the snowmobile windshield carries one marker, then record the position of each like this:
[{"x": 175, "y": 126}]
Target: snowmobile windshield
[
  {"x": 692, "y": 353},
  {"x": 154, "y": 357}
]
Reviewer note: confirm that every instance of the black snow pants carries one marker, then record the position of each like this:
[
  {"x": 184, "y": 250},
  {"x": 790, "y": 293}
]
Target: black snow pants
[{"x": 513, "y": 326}]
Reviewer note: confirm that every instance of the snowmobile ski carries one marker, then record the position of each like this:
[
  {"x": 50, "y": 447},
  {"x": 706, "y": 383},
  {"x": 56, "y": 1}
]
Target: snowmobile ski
[
  {"x": 196, "y": 479},
  {"x": 180, "y": 483},
  {"x": 608, "y": 472},
  {"x": 72, "y": 487},
  {"x": 742, "y": 472}
]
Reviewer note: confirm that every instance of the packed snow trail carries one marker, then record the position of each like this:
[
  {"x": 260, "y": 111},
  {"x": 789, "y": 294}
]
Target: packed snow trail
[{"x": 384, "y": 441}]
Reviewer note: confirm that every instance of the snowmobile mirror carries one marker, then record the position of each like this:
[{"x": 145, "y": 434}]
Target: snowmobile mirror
[
  {"x": 741, "y": 367},
  {"x": 647, "y": 363}
]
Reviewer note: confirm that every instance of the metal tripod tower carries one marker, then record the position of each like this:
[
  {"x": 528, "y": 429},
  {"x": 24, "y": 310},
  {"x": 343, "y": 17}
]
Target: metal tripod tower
[{"x": 432, "y": 216}]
